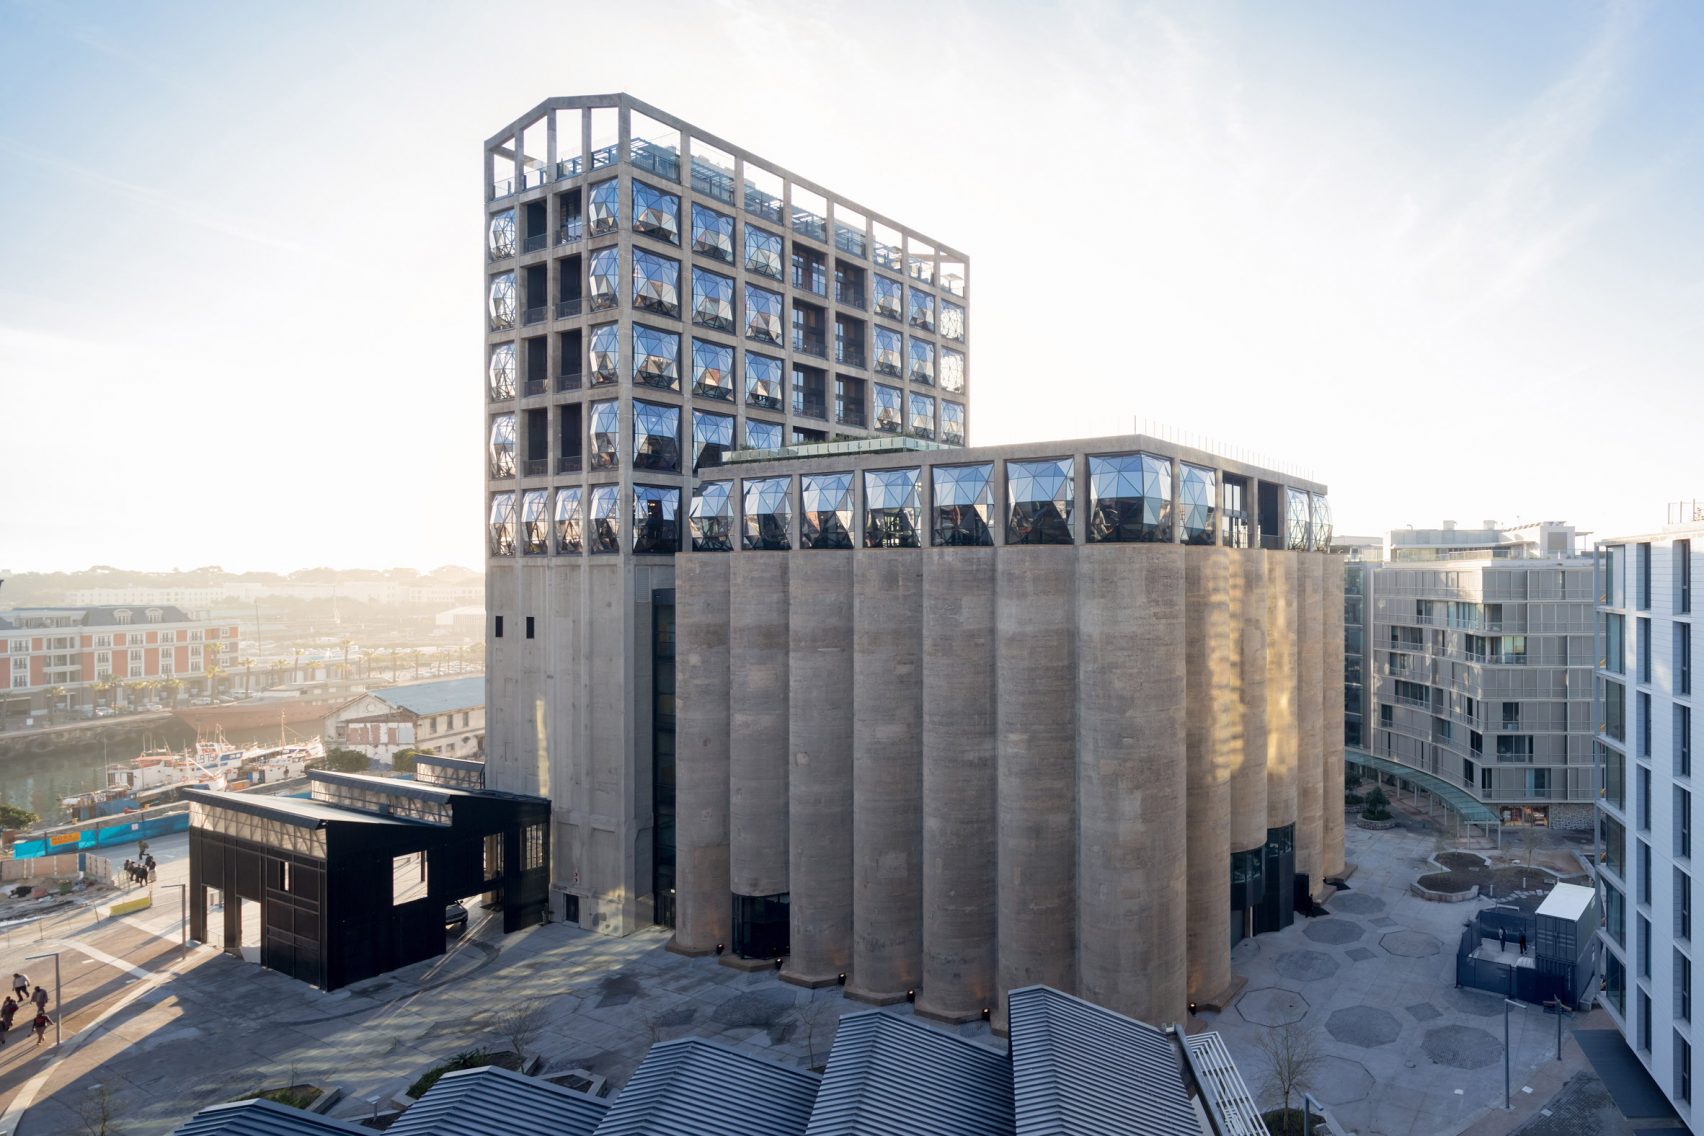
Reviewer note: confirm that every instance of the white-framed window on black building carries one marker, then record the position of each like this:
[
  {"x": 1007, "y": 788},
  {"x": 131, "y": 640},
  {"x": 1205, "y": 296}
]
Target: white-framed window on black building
[
  {"x": 1682, "y": 1068},
  {"x": 1682, "y": 905},
  {"x": 1683, "y": 658}
]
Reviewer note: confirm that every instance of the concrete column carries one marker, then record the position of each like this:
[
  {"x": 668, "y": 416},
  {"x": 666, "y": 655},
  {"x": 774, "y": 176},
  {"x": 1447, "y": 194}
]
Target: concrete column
[
  {"x": 959, "y": 925},
  {"x": 1036, "y": 761},
  {"x": 1281, "y": 736},
  {"x": 1331, "y": 719},
  {"x": 1132, "y": 835},
  {"x": 1214, "y": 746},
  {"x": 887, "y": 775},
  {"x": 1310, "y": 678},
  {"x": 1248, "y": 775},
  {"x": 758, "y": 691},
  {"x": 819, "y": 781},
  {"x": 703, "y": 913}
]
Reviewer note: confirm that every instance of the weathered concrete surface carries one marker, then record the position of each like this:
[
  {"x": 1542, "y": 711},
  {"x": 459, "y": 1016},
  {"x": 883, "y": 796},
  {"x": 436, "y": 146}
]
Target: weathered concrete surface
[
  {"x": 1331, "y": 718},
  {"x": 1214, "y": 749},
  {"x": 757, "y": 765},
  {"x": 703, "y": 910},
  {"x": 1247, "y": 598},
  {"x": 1281, "y": 727},
  {"x": 1310, "y": 754}
]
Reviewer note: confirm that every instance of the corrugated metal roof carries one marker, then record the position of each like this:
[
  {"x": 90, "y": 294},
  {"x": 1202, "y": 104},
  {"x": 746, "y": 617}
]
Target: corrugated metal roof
[
  {"x": 298, "y": 811},
  {"x": 1219, "y": 1079},
  {"x": 489, "y": 1100},
  {"x": 437, "y": 696},
  {"x": 888, "y": 1074},
  {"x": 264, "y": 1118},
  {"x": 1080, "y": 1069},
  {"x": 693, "y": 1087}
]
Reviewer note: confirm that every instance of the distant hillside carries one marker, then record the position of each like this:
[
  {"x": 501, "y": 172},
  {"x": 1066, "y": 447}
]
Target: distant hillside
[{"x": 28, "y": 589}]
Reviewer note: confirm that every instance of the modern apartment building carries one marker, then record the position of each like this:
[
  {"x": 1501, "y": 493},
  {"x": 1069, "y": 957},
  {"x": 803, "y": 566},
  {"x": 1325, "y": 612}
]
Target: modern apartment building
[
  {"x": 1646, "y": 737},
  {"x": 951, "y": 722},
  {"x": 656, "y": 297},
  {"x": 1478, "y": 667}
]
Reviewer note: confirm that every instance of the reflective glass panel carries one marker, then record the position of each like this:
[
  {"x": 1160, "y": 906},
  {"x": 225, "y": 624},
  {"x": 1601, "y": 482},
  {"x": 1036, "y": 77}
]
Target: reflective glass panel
[
  {"x": 605, "y": 518},
  {"x": 655, "y": 213},
  {"x": 890, "y": 348},
  {"x": 500, "y": 235},
  {"x": 501, "y": 302},
  {"x": 603, "y": 211},
  {"x": 535, "y": 522},
  {"x": 921, "y": 312},
  {"x": 891, "y": 507},
  {"x": 570, "y": 526},
  {"x": 762, "y": 435},
  {"x": 655, "y": 526},
  {"x": 922, "y": 362},
  {"x": 1039, "y": 497},
  {"x": 952, "y": 321},
  {"x": 952, "y": 422},
  {"x": 1195, "y": 504},
  {"x": 1296, "y": 521},
  {"x": 712, "y": 517},
  {"x": 763, "y": 315},
  {"x": 1130, "y": 498},
  {"x": 712, "y": 370},
  {"x": 656, "y": 357},
  {"x": 656, "y": 283},
  {"x": 825, "y": 510},
  {"x": 603, "y": 355},
  {"x": 922, "y": 416},
  {"x": 889, "y": 416},
  {"x": 502, "y": 524},
  {"x": 762, "y": 252},
  {"x": 603, "y": 280},
  {"x": 712, "y": 234},
  {"x": 712, "y": 436},
  {"x": 766, "y": 514},
  {"x": 502, "y": 372},
  {"x": 952, "y": 370},
  {"x": 889, "y": 298},
  {"x": 656, "y": 436},
  {"x": 1320, "y": 524},
  {"x": 712, "y": 300},
  {"x": 503, "y": 446},
  {"x": 605, "y": 423},
  {"x": 964, "y": 504},
  {"x": 763, "y": 381}
]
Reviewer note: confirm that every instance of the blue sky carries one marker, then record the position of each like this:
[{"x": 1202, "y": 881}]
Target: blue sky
[{"x": 1446, "y": 256}]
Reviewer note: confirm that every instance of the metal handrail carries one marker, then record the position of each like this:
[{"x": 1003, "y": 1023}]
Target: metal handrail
[
  {"x": 568, "y": 308},
  {"x": 535, "y": 242},
  {"x": 568, "y": 381},
  {"x": 534, "y": 315}
]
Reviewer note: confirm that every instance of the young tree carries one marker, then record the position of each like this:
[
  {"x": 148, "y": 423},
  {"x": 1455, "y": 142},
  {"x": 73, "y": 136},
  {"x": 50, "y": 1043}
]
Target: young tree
[
  {"x": 16, "y": 816},
  {"x": 519, "y": 1025},
  {"x": 1292, "y": 1057},
  {"x": 343, "y": 761}
]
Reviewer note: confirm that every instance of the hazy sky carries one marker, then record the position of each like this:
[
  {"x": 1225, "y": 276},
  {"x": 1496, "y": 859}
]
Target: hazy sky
[{"x": 1450, "y": 257}]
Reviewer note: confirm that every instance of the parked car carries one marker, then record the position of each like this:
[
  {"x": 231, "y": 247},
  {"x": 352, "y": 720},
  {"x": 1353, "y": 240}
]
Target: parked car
[
  {"x": 103, "y": 711},
  {"x": 455, "y": 917},
  {"x": 202, "y": 701}
]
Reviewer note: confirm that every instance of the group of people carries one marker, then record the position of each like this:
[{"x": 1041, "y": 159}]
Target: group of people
[
  {"x": 20, "y": 997},
  {"x": 140, "y": 871}
]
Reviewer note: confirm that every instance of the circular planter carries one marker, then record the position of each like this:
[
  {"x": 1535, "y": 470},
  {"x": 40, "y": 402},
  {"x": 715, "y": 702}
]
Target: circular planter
[
  {"x": 1376, "y": 825},
  {"x": 1445, "y": 896},
  {"x": 1353, "y": 809}
]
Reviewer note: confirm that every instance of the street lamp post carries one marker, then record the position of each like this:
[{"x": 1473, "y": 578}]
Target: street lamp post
[
  {"x": 58, "y": 1005},
  {"x": 183, "y": 913}
]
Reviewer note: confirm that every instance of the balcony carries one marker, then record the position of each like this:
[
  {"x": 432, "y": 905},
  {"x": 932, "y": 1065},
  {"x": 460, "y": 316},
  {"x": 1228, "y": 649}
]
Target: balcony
[
  {"x": 535, "y": 467},
  {"x": 809, "y": 224},
  {"x": 848, "y": 240},
  {"x": 848, "y": 297},
  {"x": 534, "y": 315},
  {"x": 848, "y": 354},
  {"x": 850, "y": 416},
  {"x": 568, "y": 381},
  {"x": 766, "y": 401},
  {"x": 572, "y": 232},
  {"x": 569, "y": 168},
  {"x": 660, "y": 160},
  {"x": 567, "y": 309},
  {"x": 810, "y": 342},
  {"x": 712, "y": 181},
  {"x": 535, "y": 242},
  {"x": 568, "y": 463},
  {"x": 534, "y": 386},
  {"x": 502, "y": 188},
  {"x": 810, "y": 407}
]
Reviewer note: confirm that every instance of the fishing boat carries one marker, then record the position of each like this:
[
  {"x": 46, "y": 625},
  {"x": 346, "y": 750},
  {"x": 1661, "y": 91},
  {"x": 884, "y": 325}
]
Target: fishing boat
[{"x": 159, "y": 775}]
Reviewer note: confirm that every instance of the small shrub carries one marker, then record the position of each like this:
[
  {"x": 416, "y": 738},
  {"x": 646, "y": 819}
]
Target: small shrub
[
  {"x": 295, "y": 1096},
  {"x": 472, "y": 1059},
  {"x": 1353, "y": 799},
  {"x": 1377, "y": 805}
]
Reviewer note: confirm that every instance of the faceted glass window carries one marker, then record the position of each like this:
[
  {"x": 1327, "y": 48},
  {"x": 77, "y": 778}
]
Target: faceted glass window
[
  {"x": 1195, "y": 504},
  {"x": 889, "y": 417},
  {"x": 921, "y": 313},
  {"x": 1296, "y": 521},
  {"x": 655, "y": 525},
  {"x": 656, "y": 283},
  {"x": 712, "y": 234},
  {"x": 535, "y": 522},
  {"x": 1320, "y": 523},
  {"x": 762, "y": 252},
  {"x": 712, "y": 436},
  {"x": 603, "y": 280},
  {"x": 1039, "y": 498},
  {"x": 570, "y": 526},
  {"x": 952, "y": 321},
  {"x": 502, "y": 524},
  {"x": 501, "y": 301},
  {"x": 503, "y": 446},
  {"x": 712, "y": 300},
  {"x": 656, "y": 436},
  {"x": 712, "y": 518},
  {"x": 825, "y": 510},
  {"x": 605, "y": 518},
  {"x": 712, "y": 370},
  {"x": 891, "y": 507},
  {"x": 760, "y": 435},
  {"x": 922, "y": 416},
  {"x": 500, "y": 235},
  {"x": 952, "y": 370},
  {"x": 655, "y": 213},
  {"x": 890, "y": 348},
  {"x": 605, "y": 423},
  {"x": 763, "y": 381},
  {"x": 656, "y": 357},
  {"x": 763, "y": 315},
  {"x": 1130, "y": 498},
  {"x": 603, "y": 355},
  {"x": 502, "y": 372},
  {"x": 889, "y": 298},
  {"x": 767, "y": 519},
  {"x": 922, "y": 362},
  {"x": 964, "y": 504},
  {"x": 603, "y": 209},
  {"x": 952, "y": 422}
]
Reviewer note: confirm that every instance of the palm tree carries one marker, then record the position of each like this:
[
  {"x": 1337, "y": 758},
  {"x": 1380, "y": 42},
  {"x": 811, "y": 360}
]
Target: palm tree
[
  {"x": 101, "y": 686},
  {"x": 414, "y": 657},
  {"x": 214, "y": 670},
  {"x": 173, "y": 686},
  {"x": 296, "y": 664},
  {"x": 53, "y": 697},
  {"x": 346, "y": 644}
]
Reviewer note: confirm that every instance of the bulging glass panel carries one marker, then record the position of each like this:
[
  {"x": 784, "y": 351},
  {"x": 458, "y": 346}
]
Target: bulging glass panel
[
  {"x": 922, "y": 416},
  {"x": 763, "y": 381},
  {"x": 712, "y": 436},
  {"x": 763, "y": 315},
  {"x": 825, "y": 510},
  {"x": 712, "y": 300},
  {"x": 603, "y": 280},
  {"x": 952, "y": 321},
  {"x": 964, "y": 504},
  {"x": 502, "y": 450},
  {"x": 502, "y": 524},
  {"x": 655, "y": 524},
  {"x": 761, "y": 435},
  {"x": 1320, "y": 524},
  {"x": 889, "y": 298},
  {"x": 1195, "y": 501},
  {"x": 656, "y": 357},
  {"x": 656, "y": 437},
  {"x": 1039, "y": 497},
  {"x": 921, "y": 312},
  {"x": 922, "y": 362},
  {"x": 952, "y": 370},
  {"x": 762, "y": 252},
  {"x": 712, "y": 234},
  {"x": 603, "y": 355},
  {"x": 603, "y": 208},
  {"x": 889, "y": 416},
  {"x": 605, "y": 518},
  {"x": 1130, "y": 498},
  {"x": 500, "y": 235},
  {"x": 952, "y": 423},
  {"x": 712, "y": 517},
  {"x": 712, "y": 370},
  {"x": 891, "y": 507},
  {"x": 570, "y": 526},
  {"x": 656, "y": 283},
  {"x": 768, "y": 520},
  {"x": 1297, "y": 524},
  {"x": 501, "y": 301},
  {"x": 655, "y": 213},
  {"x": 605, "y": 423},
  {"x": 501, "y": 372},
  {"x": 890, "y": 357},
  {"x": 535, "y": 522}
]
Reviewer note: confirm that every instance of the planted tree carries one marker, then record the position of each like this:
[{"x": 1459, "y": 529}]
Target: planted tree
[
  {"x": 519, "y": 1025},
  {"x": 16, "y": 816},
  {"x": 1377, "y": 805},
  {"x": 1292, "y": 1058}
]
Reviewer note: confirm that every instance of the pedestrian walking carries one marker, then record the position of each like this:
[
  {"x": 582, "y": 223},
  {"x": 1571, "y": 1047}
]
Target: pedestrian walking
[
  {"x": 8, "y": 1011},
  {"x": 153, "y": 872},
  {"x": 1502, "y": 939},
  {"x": 40, "y": 998},
  {"x": 1523, "y": 944},
  {"x": 129, "y": 872},
  {"x": 42, "y": 1021},
  {"x": 20, "y": 987}
]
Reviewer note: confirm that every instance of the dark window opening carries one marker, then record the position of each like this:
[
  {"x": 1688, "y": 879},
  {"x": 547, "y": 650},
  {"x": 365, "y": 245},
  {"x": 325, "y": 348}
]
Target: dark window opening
[
  {"x": 529, "y": 627},
  {"x": 499, "y": 630}
]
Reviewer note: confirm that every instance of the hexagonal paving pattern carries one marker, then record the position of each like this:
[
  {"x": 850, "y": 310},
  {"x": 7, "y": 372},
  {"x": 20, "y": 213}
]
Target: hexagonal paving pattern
[
  {"x": 1306, "y": 966},
  {"x": 1357, "y": 903},
  {"x": 1333, "y": 931},
  {"x": 1476, "y": 1002},
  {"x": 1384, "y": 921},
  {"x": 1360, "y": 954},
  {"x": 1423, "y": 1011},
  {"x": 1366, "y": 1026},
  {"x": 1272, "y": 1006},
  {"x": 1411, "y": 944},
  {"x": 1338, "y": 1081},
  {"x": 1462, "y": 1047}
]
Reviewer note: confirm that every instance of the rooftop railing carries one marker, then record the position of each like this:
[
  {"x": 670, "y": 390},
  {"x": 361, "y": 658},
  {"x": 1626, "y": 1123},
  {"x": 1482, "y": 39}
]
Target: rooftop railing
[
  {"x": 712, "y": 181},
  {"x": 847, "y": 239},
  {"x": 664, "y": 161},
  {"x": 809, "y": 224}
]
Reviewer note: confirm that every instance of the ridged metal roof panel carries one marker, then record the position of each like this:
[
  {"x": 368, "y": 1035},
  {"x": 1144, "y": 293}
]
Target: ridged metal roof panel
[
  {"x": 264, "y": 1118},
  {"x": 892, "y": 1075},
  {"x": 693, "y": 1087},
  {"x": 495, "y": 1102}
]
